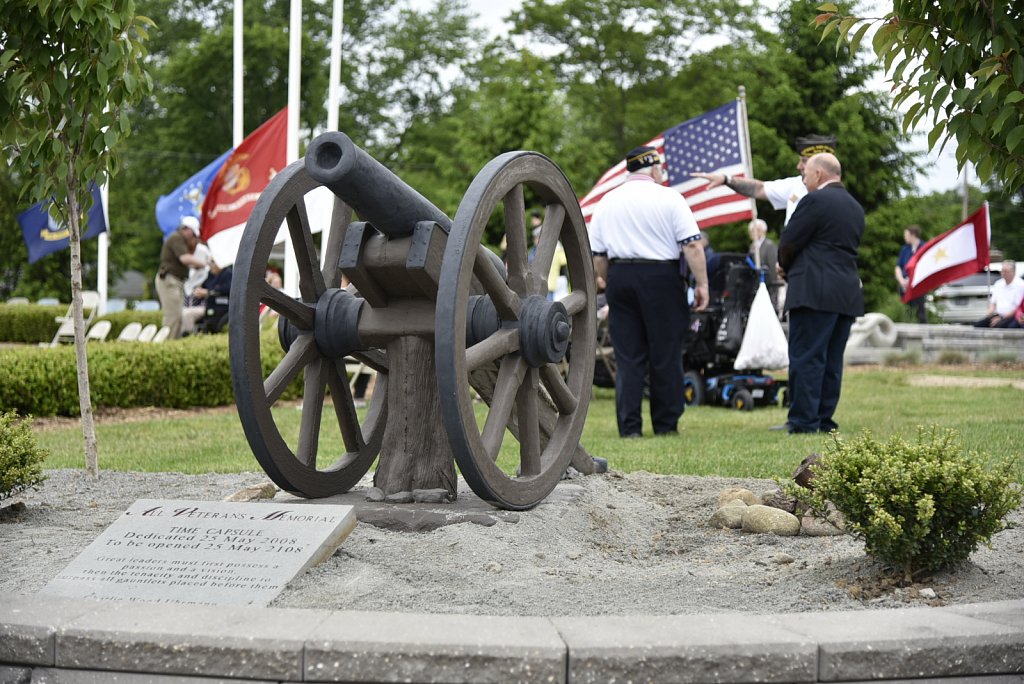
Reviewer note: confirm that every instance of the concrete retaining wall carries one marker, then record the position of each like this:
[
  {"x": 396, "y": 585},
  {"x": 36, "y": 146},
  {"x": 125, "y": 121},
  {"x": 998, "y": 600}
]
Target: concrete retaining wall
[
  {"x": 86, "y": 642},
  {"x": 977, "y": 344}
]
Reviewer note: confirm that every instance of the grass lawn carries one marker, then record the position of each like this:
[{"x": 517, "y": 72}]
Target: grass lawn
[{"x": 715, "y": 440}]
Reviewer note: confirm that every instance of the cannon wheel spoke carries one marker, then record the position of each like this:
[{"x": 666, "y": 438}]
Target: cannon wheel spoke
[
  {"x": 537, "y": 407},
  {"x": 308, "y": 460}
]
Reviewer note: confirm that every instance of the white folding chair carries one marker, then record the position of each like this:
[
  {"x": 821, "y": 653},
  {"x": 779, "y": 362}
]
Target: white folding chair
[
  {"x": 148, "y": 333},
  {"x": 99, "y": 331},
  {"x": 162, "y": 334},
  {"x": 130, "y": 332}
]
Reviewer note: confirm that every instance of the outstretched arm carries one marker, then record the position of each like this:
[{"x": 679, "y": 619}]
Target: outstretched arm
[{"x": 748, "y": 187}]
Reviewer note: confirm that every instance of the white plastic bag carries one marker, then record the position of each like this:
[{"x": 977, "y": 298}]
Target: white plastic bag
[{"x": 764, "y": 342}]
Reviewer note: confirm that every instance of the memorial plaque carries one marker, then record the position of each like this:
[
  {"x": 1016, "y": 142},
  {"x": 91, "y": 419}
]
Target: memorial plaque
[{"x": 199, "y": 552}]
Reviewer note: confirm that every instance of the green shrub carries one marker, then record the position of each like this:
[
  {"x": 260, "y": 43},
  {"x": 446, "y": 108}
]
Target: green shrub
[
  {"x": 32, "y": 324},
  {"x": 919, "y": 506},
  {"x": 29, "y": 323},
  {"x": 953, "y": 357},
  {"x": 1000, "y": 357},
  {"x": 195, "y": 371},
  {"x": 21, "y": 459},
  {"x": 907, "y": 358}
]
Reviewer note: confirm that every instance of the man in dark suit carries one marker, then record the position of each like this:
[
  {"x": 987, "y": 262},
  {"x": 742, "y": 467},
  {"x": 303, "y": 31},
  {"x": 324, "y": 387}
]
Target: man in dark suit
[{"x": 818, "y": 259}]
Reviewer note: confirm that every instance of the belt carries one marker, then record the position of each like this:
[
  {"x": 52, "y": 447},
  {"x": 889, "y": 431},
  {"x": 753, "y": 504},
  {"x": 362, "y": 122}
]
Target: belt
[{"x": 643, "y": 261}]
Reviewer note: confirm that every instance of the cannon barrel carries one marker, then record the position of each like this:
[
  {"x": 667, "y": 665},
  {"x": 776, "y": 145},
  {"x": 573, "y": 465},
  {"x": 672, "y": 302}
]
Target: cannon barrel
[{"x": 375, "y": 193}]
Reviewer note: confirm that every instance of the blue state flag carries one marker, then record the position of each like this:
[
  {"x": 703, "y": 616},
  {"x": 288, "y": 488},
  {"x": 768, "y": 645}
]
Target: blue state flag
[
  {"x": 45, "y": 236},
  {"x": 187, "y": 198}
]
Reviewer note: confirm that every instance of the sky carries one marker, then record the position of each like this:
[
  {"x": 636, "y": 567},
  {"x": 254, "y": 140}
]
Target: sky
[{"x": 940, "y": 172}]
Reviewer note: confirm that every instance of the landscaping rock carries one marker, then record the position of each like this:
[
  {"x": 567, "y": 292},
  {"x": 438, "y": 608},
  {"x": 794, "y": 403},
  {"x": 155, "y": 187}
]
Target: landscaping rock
[
  {"x": 779, "y": 499},
  {"x": 748, "y": 497},
  {"x": 266, "y": 490},
  {"x": 767, "y": 520},
  {"x": 729, "y": 516}
]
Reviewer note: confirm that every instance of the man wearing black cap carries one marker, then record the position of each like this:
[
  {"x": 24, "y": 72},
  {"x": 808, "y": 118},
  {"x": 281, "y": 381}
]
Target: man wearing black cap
[
  {"x": 636, "y": 234},
  {"x": 783, "y": 193}
]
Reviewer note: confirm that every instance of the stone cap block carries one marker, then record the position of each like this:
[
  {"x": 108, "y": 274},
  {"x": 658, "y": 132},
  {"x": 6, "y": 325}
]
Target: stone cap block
[
  {"x": 28, "y": 627},
  {"x": 44, "y": 675},
  {"x": 212, "y": 641},
  {"x": 685, "y": 648},
  {"x": 1009, "y": 613},
  {"x": 908, "y": 642},
  {"x": 354, "y": 646}
]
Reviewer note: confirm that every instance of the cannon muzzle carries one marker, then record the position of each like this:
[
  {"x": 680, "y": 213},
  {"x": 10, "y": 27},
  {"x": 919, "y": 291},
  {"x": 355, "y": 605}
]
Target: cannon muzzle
[{"x": 377, "y": 195}]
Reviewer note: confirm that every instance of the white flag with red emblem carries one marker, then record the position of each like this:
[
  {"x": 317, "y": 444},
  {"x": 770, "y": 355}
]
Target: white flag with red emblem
[{"x": 959, "y": 252}]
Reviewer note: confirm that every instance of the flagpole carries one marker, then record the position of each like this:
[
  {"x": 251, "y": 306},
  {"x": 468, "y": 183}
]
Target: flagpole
[
  {"x": 291, "y": 268},
  {"x": 237, "y": 127},
  {"x": 102, "y": 252},
  {"x": 333, "y": 100},
  {"x": 746, "y": 142}
]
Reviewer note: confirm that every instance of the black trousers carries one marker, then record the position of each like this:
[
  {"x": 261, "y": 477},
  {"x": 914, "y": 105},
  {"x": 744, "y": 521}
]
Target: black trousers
[
  {"x": 817, "y": 341},
  {"x": 648, "y": 317}
]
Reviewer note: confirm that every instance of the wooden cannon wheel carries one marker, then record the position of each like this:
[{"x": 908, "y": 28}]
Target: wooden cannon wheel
[
  {"x": 536, "y": 397},
  {"x": 296, "y": 461}
]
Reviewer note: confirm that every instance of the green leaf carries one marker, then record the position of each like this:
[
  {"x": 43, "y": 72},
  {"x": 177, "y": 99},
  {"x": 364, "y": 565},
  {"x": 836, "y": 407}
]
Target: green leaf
[
  {"x": 1014, "y": 138},
  {"x": 935, "y": 133},
  {"x": 858, "y": 37},
  {"x": 1018, "y": 69},
  {"x": 1015, "y": 96},
  {"x": 101, "y": 75},
  {"x": 827, "y": 7},
  {"x": 1002, "y": 118}
]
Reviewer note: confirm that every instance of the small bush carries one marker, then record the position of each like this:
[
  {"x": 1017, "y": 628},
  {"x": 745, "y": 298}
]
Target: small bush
[
  {"x": 907, "y": 358},
  {"x": 21, "y": 459},
  {"x": 918, "y": 506},
  {"x": 952, "y": 357},
  {"x": 1000, "y": 358}
]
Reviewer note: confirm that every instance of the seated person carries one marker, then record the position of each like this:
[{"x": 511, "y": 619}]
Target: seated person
[
  {"x": 1006, "y": 296},
  {"x": 216, "y": 286}
]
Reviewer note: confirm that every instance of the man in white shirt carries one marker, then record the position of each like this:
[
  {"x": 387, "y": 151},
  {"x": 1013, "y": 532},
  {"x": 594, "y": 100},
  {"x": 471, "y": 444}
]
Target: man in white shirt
[
  {"x": 783, "y": 193},
  {"x": 1006, "y": 296},
  {"x": 636, "y": 235}
]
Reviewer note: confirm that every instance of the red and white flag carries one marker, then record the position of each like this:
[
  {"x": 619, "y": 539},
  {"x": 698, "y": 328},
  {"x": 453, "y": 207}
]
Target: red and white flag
[
  {"x": 238, "y": 185},
  {"x": 714, "y": 142},
  {"x": 952, "y": 255}
]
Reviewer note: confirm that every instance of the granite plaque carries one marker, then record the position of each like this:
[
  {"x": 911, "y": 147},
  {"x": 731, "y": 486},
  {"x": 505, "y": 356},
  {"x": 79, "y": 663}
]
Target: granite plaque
[{"x": 200, "y": 552}]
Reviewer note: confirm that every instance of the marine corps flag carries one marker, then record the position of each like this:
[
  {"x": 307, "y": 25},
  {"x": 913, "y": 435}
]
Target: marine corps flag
[
  {"x": 238, "y": 184},
  {"x": 952, "y": 255}
]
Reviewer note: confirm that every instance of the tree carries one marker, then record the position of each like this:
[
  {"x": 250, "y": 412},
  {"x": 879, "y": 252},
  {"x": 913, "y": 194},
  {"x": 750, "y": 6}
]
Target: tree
[
  {"x": 68, "y": 73},
  {"x": 603, "y": 51},
  {"x": 960, "y": 67}
]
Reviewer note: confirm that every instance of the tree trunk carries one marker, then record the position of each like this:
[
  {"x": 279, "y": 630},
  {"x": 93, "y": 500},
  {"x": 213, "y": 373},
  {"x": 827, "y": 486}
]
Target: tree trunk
[
  {"x": 81, "y": 359},
  {"x": 414, "y": 453}
]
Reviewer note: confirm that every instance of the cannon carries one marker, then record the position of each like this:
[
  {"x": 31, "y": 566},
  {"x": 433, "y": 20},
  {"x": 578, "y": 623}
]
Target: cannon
[{"x": 473, "y": 361}]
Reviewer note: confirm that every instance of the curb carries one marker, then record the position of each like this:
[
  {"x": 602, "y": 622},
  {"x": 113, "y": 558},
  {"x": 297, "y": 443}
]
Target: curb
[{"x": 81, "y": 641}]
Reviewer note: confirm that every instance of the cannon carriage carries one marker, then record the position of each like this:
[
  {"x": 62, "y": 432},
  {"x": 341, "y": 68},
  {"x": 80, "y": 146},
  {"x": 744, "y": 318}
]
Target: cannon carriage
[{"x": 470, "y": 353}]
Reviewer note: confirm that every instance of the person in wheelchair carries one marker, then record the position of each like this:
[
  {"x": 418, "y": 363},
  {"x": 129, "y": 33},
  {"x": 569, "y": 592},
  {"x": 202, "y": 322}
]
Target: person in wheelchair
[{"x": 212, "y": 315}]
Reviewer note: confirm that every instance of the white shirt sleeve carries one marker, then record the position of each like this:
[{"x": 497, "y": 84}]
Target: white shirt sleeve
[{"x": 780, "y": 191}]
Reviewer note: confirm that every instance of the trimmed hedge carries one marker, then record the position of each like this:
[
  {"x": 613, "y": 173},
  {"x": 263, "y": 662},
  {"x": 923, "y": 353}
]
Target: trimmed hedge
[
  {"x": 195, "y": 371},
  {"x": 29, "y": 323},
  {"x": 33, "y": 324}
]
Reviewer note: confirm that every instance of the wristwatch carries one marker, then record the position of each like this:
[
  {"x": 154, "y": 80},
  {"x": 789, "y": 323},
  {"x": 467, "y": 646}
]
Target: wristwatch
[{"x": 728, "y": 179}]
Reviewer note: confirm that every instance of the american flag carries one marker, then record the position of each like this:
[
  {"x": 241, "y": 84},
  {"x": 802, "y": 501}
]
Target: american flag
[{"x": 710, "y": 143}]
